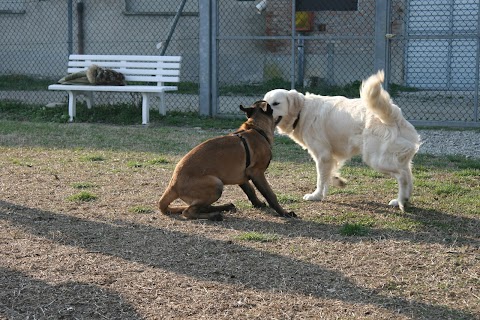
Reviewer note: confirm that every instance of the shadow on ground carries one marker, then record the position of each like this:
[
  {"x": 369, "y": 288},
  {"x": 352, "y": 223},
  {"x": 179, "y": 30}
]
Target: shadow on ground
[{"x": 218, "y": 261}]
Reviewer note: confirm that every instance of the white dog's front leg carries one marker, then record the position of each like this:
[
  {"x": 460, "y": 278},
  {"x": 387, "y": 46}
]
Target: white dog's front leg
[
  {"x": 315, "y": 196},
  {"x": 324, "y": 171}
]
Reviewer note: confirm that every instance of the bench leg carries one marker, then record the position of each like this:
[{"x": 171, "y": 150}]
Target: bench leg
[
  {"x": 72, "y": 105},
  {"x": 145, "y": 108},
  {"x": 161, "y": 107}
]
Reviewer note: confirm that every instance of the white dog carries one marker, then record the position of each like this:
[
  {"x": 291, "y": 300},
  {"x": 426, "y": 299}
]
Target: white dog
[{"x": 333, "y": 129}]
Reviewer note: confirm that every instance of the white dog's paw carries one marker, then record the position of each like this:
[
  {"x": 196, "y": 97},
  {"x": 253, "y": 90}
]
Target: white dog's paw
[
  {"x": 313, "y": 197},
  {"x": 393, "y": 203},
  {"x": 396, "y": 203}
]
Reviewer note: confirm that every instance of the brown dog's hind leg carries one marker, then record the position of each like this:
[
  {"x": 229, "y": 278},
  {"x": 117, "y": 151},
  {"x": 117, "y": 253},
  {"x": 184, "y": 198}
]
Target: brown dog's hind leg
[
  {"x": 176, "y": 210},
  {"x": 198, "y": 211},
  {"x": 168, "y": 197},
  {"x": 200, "y": 194},
  {"x": 221, "y": 208}
]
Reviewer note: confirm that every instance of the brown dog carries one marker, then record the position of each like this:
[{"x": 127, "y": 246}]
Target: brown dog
[{"x": 236, "y": 158}]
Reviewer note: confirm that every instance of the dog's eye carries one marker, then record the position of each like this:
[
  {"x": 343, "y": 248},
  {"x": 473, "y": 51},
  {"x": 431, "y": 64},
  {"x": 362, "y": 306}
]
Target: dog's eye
[{"x": 275, "y": 103}]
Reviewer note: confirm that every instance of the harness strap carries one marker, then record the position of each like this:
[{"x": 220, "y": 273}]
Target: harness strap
[{"x": 247, "y": 150}]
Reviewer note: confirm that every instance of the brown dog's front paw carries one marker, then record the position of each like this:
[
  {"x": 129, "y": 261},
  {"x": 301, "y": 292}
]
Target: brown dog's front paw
[
  {"x": 260, "y": 205},
  {"x": 290, "y": 214},
  {"x": 231, "y": 208}
]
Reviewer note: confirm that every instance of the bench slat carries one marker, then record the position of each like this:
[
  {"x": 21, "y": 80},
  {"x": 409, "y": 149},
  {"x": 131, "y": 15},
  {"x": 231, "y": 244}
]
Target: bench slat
[
  {"x": 123, "y": 57},
  {"x": 145, "y": 72},
  {"x": 152, "y": 79},
  {"x": 133, "y": 88},
  {"x": 147, "y": 78},
  {"x": 126, "y": 64},
  {"x": 172, "y": 72}
]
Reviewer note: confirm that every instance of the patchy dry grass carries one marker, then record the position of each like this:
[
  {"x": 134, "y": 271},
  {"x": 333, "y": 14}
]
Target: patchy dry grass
[{"x": 349, "y": 257}]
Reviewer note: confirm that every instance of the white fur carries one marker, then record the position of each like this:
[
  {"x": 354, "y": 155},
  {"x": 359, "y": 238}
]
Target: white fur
[{"x": 334, "y": 129}]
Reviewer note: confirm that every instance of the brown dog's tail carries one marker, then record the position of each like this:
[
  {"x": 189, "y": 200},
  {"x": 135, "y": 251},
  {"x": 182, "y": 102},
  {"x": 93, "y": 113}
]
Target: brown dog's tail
[{"x": 168, "y": 197}]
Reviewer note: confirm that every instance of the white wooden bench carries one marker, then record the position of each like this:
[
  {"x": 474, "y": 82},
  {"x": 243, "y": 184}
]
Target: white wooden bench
[{"x": 148, "y": 72}]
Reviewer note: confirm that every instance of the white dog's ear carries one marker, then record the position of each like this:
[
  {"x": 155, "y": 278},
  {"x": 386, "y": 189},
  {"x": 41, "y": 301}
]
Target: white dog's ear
[{"x": 296, "y": 100}]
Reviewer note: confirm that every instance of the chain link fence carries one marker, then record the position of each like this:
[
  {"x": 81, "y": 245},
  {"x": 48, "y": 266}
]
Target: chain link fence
[{"x": 236, "y": 50}]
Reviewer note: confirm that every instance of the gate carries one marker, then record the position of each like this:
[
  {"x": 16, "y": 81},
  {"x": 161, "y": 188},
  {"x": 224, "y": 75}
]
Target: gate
[{"x": 434, "y": 60}]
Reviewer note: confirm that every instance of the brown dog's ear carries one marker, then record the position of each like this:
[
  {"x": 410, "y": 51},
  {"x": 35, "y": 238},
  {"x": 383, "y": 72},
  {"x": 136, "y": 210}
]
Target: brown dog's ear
[
  {"x": 248, "y": 111},
  {"x": 269, "y": 109},
  {"x": 262, "y": 105}
]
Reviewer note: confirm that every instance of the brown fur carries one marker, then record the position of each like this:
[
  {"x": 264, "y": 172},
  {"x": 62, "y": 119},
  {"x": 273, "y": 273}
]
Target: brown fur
[
  {"x": 101, "y": 76},
  {"x": 200, "y": 175}
]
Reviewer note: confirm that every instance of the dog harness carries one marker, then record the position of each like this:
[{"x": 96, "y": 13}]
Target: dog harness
[{"x": 247, "y": 149}]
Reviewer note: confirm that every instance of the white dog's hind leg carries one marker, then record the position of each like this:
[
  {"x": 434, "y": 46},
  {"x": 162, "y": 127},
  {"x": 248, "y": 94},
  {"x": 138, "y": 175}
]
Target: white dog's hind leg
[
  {"x": 337, "y": 180},
  {"x": 324, "y": 173},
  {"x": 405, "y": 187}
]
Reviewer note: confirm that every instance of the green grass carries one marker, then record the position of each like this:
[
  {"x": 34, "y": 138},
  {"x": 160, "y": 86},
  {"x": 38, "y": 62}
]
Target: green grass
[
  {"x": 354, "y": 229},
  {"x": 121, "y": 114},
  {"x": 23, "y": 163},
  {"x": 141, "y": 210},
  {"x": 24, "y": 83},
  {"x": 83, "y": 185},
  {"x": 134, "y": 164},
  {"x": 449, "y": 189},
  {"x": 257, "y": 237},
  {"x": 158, "y": 161},
  {"x": 12, "y": 110},
  {"x": 83, "y": 196}
]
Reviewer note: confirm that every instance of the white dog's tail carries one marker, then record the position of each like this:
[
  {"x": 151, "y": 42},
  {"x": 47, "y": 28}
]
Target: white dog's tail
[{"x": 377, "y": 99}]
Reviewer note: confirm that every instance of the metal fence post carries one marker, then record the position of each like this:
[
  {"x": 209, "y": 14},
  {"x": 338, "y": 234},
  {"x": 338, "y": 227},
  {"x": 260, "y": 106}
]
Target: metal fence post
[
  {"x": 70, "y": 26},
  {"x": 476, "y": 114},
  {"x": 214, "y": 31},
  {"x": 382, "y": 9},
  {"x": 205, "y": 66},
  {"x": 292, "y": 66}
]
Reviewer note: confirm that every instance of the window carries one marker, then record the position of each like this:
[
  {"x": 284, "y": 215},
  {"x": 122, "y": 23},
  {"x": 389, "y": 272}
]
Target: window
[
  {"x": 12, "y": 6},
  {"x": 326, "y": 5},
  {"x": 159, "y": 7}
]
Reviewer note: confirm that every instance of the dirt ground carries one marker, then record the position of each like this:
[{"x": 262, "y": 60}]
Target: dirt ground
[{"x": 102, "y": 259}]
